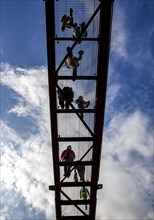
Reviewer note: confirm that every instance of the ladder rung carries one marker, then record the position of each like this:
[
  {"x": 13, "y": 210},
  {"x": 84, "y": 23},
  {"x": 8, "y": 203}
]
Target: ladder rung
[
  {"x": 79, "y": 217},
  {"x": 75, "y": 202},
  {"x": 77, "y": 78},
  {"x": 74, "y": 139},
  {"x": 75, "y": 184},
  {"x": 76, "y": 163},
  {"x": 76, "y": 110}
]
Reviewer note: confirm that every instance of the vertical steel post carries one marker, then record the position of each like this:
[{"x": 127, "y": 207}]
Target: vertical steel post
[{"x": 50, "y": 27}]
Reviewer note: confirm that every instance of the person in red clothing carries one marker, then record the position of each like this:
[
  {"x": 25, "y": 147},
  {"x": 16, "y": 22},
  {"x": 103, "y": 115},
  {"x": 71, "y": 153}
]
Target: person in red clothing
[{"x": 67, "y": 155}]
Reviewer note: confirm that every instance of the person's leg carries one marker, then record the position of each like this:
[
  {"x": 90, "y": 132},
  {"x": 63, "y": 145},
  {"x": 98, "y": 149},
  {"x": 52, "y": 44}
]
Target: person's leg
[
  {"x": 85, "y": 198},
  {"x": 61, "y": 103},
  {"x": 66, "y": 105},
  {"x": 70, "y": 12},
  {"x": 63, "y": 20},
  {"x": 68, "y": 171},
  {"x": 86, "y": 104}
]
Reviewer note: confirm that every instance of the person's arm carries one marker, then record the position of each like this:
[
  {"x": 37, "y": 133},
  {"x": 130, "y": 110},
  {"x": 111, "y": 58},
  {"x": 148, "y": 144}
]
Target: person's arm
[
  {"x": 63, "y": 155},
  {"x": 76, "y": 101},
  {"x": 74, "y": 156}
]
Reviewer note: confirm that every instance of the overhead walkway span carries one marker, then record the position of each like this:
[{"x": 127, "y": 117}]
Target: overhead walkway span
[{"x": 80, "y": 128}]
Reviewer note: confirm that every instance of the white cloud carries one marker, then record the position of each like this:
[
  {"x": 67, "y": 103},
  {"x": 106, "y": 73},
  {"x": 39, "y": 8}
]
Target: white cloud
[
  {"x": 23, "y": 172},
  {"x": 120, "y": 33},
  {"x": 26, "y": 165},
  {"x": 128, "y": 42},
  {"x": 127, "y": 178}
]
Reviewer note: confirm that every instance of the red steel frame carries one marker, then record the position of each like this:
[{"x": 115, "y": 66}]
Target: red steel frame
[{"x": 105, "y": 9}]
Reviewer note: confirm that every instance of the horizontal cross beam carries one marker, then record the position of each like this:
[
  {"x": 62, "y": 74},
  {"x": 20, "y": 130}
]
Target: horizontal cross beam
[
  {"x": 75, "y": 202},
  {"x": 76, "y": 77},
  {"x": 76, "y": 110},
  {"x": 77, "y": 39},
  {"x": 75, "y": 139},
  {"x": 76, "y": 163}
]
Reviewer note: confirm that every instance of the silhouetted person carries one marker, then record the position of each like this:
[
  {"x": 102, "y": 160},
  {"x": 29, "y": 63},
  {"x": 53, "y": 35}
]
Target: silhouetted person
[
  {"x": 84, "y": 194},
  {"x": 82, "y": 104},
  {"x": 67, "y": 155},
  {"x": 66, "y": 97},
  {"x": 72, "y": 62},
  {"x": 77, "y": 30},
  {"x": 67, "y": 20},
  {"x": 81, "y": 172}
]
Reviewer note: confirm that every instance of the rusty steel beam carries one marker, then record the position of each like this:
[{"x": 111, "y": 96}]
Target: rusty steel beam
[
  {"x": 76, "y": 110},
  {"x": 79, "y": 217},
  {"x": 52, "y": 81},
  {"x": 75, "y": 163},
  {"x": 75, "y": 139},
  {"x": 75, "y": 202},
  {"x": 77, "y": 77},
  {"x": 78, "y": 39}
]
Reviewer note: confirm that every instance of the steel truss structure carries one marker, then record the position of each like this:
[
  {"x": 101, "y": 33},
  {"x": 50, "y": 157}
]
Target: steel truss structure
[{"x": 105, "y": 10}]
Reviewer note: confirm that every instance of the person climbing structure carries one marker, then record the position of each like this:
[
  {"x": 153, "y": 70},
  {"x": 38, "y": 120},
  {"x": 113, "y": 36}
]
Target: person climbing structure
[
  {"x": 67, "y": 155},
  {"x": 81, "y": 172},
  {"x": 82, "y": 104},
  {"x": 84, "y": 194},
  {"x": 75, "y": 176},
  {"x": 72, "y": 61},
  {"x": 65, "y": 97},
  {"x": 67, "y": 20},
  {"x": 77, "y": 30}
]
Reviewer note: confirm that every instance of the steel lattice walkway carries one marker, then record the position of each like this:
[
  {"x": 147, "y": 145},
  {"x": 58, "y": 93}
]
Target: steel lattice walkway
[{"x": 102, "y": 14}]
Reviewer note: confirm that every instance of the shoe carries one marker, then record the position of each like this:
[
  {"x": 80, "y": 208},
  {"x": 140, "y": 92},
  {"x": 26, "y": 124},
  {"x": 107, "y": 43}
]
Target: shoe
[
  {"x": 68, "y": 175},
  {"x": 87, "y": 104}
]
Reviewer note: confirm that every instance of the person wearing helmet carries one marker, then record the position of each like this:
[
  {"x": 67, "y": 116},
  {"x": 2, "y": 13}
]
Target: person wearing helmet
[
  {"x": 67, "y": 20},
  {"x": 82, "y": 104},
  {"x": 72, "y": 62},
  {"x": 67, "y": 155}
]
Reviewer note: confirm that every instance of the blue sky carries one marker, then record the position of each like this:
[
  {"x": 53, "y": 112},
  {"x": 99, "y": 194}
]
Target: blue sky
[{"x": 128, "y": 148}]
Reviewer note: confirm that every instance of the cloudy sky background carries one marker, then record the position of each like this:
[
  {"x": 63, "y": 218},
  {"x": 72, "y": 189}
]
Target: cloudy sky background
[{"x": 127, "y": 151}]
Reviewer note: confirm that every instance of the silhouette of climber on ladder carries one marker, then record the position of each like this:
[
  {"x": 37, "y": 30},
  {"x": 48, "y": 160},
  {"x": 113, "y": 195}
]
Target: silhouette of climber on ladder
[
  {"x": 66, "y": 97},
  {"x": 72, "y": 62},
  {"x": 67, "y": 20},
  {"x": 82, "y": 104},
  {"x": 84, "y": 194},
  {"x": 67, "y": 155},
  {"x": 77, "y": 30}
]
